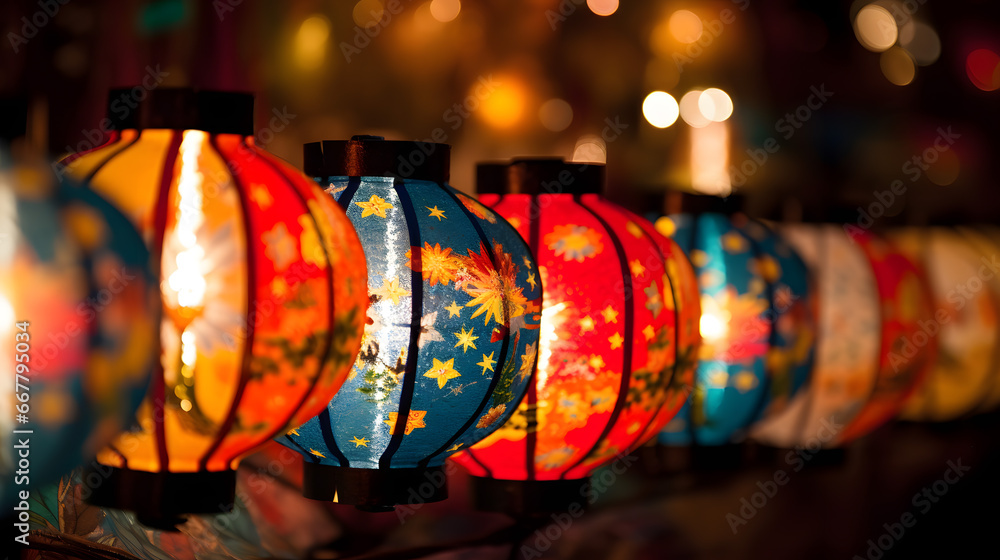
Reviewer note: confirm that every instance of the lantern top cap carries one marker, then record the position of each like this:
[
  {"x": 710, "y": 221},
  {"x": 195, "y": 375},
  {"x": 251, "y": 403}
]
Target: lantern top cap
[
  {"x": 535, "y": 176},
  {"x": 690, "y": 203},
  {"x": 491, "y": 177},
  {"x": 215, "y": 112},
  {"x": 374, "y": 156}
]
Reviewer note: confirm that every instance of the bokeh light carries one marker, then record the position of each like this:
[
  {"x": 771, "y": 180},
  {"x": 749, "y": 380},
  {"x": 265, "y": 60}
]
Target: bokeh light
[
  {"x": 710, "y": 159},
  {"x": 503, "y": 108},
  {"x": 603, "y": 7},
  {"x": 556, "y": 114},
  {"x": 715, "y": 104},
  {"x": 662, "y": 74},
  {"x": 590, "y": 149},
  {"x": 445, "y": 10},
  {"x": 368, "y": 12},
  {"x": 945, "y": 170},
  {"x": 685, "y": 26},
  {"x": 691, "y": 110},
  {"x": 311, "y": 42},
  {"x": 921, "y": 41},
  {"x": 660, "y": 109},
  {"x": 983, "y": 68},
  {"x": 898, "y": 66},
  {"x": 875, "y": 28}
]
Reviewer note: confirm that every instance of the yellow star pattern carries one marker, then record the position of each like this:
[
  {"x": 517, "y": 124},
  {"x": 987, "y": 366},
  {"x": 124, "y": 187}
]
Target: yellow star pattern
[
  {"x": 596, "y": 361},
  {"x": 636, "y": 268},
  {"x": 292, "y": 432},
  {"x": 435, "y": 213},
  {"x": 616, "y": 341},
  {"x": 587, "y": 324},
  {"x": 648, "y": 332},
  {"x": 260, "y": 195},
  {"x": 413, "y": 421},
  {"x": 454, "y": 310},
  {"x": 634, "y": 229},
  {"x": 391, "y": 289},
  {"x": 360, "y": 442},
  {"x": 610, "y": 315},
  {"x": 454, "y": 448},
  {"x": 532, "y": 280},
  {"x": 316, "y": 453},
  {"x": 443, "y": 371},
  {"x": 487, "y": 362},
  {"x": 744, "y": 381},
  {"x": 527, "y": 262},
  {"x": 374, "y": 206},
  {"x": 465, "y": 340}
]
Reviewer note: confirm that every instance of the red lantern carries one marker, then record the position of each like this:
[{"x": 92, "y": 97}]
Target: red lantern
[
  {"x": 619, "y": 340},
  {"x": 264, "y": 295}
]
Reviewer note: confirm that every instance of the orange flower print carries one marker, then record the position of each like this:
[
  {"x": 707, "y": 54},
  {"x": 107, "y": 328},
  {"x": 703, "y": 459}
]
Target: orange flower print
[
  {"x": 574, "y": 242},
  {"x": 491, "y": 416},
  {"x": 436, "y": 264},
  {"x": 413, "y": 421}
]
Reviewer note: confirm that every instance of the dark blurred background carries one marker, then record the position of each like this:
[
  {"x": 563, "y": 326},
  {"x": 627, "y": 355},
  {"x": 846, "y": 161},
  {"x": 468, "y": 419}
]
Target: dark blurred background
[{"x": 552, "y": 77}]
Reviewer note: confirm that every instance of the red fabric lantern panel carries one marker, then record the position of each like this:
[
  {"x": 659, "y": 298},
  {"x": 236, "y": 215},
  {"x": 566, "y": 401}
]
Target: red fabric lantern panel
[{"x": 619, "y": 330}]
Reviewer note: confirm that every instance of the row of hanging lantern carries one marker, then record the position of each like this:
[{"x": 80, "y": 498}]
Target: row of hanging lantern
[{"x": 392, "y": 322}]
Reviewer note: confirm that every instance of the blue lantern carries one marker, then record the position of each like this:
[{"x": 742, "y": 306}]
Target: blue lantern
[
  {"x": 452, "y": 331},
  {"x": 757, "y": 323}
]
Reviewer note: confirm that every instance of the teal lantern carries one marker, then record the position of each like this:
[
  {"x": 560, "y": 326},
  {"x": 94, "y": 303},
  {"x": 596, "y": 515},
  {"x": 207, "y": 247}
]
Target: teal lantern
[
  {"x": 757, "y": 323},
  {"x": 452, "y": 331}
]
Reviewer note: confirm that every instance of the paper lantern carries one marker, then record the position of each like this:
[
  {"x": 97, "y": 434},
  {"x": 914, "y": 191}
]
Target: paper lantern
[
  {"x": 452, "y": 329},
  {"x": 78, "y": 317},
  {"x": 966, "y": 294},
  {"x": 262, "y": 280},
  {"x": 871, "y": 353},
  {"x": 757, "y": 324},
  {"x": 618, "y": 347}
]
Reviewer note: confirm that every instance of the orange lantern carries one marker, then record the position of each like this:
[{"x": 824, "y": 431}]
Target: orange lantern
[{"x": 263, "y": 284}]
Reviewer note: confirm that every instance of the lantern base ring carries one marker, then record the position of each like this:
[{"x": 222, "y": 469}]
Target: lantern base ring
[
  {"x": 526, "y": 498},
  {"x": 374, "y": 490},
  {"x": 160, "y": 499}
]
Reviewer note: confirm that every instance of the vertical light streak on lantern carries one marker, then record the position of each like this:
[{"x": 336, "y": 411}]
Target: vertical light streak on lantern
[
  {"x": 8, "y": 244},
  {"x": 187, "y": 281},
  {"x": 548, "y": 336},
  {"x": 710, "y": 158}
]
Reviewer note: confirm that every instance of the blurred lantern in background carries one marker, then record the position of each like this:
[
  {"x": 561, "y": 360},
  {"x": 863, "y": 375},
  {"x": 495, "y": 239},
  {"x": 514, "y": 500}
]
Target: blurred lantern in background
[
  {"x": 618, "y": 347},
  {"x": 965, "y": 290},
  {"x": 262, "y": 280},
  {"x": 757, "y": 323},
  {"x": 452, "y": 328},
  {"x": 872, "y": 350},
  {"x": 78, "y": 319}
]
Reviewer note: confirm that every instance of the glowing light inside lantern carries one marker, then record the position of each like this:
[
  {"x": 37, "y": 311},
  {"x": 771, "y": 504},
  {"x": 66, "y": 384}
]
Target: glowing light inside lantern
[{"x": 548, "y": 335}]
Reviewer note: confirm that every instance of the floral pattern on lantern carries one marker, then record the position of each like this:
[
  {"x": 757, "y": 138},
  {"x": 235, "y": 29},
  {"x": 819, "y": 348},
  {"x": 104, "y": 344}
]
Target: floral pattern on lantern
[
  {"x": 618, "y": 339},
  {"x": 756, "y": 325},
  {"x": 872, "y": 354},
  {"x": 78, "y": 318},
  {"x": 262, "y": 284},
  {"x": 966, "y": 310},
  {"x": 451, "y": 338}
]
